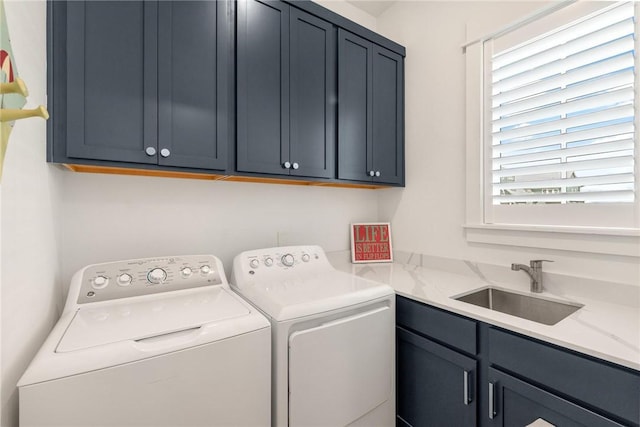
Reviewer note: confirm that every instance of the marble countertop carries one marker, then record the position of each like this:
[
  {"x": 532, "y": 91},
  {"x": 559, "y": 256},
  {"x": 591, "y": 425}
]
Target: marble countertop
[{"x": 607, "y": 327}]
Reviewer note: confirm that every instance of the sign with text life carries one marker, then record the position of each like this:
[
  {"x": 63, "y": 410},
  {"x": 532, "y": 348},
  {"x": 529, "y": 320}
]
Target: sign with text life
[{"x": 371, "y": 242}]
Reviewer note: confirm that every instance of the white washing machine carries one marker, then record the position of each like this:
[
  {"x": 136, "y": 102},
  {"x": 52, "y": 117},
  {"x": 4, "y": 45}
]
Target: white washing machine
[
  {"x": 152, "y": 342},
  {"x": 333, "y": 338}
]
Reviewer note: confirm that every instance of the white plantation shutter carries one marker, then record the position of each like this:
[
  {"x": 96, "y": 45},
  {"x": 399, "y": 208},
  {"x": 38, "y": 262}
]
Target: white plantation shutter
[{"x": 562, "y": 123}]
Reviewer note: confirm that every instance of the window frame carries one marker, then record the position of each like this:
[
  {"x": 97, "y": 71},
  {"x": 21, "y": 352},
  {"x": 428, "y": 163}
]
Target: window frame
[{"x": 562, "y": 234}]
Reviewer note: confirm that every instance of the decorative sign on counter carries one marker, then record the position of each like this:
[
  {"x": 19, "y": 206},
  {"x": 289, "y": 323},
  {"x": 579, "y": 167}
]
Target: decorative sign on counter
[{"x": 371, "y": 242}]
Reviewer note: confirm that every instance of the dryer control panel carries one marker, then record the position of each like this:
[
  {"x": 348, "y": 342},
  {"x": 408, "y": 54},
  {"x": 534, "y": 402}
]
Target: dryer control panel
[
  {"x": 279, "y": 262},
  {"x": 124, "y": 279}
]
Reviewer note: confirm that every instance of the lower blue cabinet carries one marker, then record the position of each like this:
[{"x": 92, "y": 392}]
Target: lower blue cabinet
[
  {"x": 513, "y": 402},
  {"x": 436, "y": 386},
  {"x": 456, "y": 371}
]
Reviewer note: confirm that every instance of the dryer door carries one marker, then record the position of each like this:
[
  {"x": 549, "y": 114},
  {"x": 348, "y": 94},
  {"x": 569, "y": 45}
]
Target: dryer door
[{"x": 341, "y": 370}]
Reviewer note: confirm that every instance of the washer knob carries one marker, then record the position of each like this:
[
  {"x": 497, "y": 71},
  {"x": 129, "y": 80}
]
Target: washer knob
[
  {"x": 186, "y": 272},
  {"x": 305, "y": 258},
  {"x": 268, "y": 262},
  {"x": 124, "y": 279},
  {"x": 254, "y": 263},
  {"x": 100, "y": 282},
  {"x": 205, "y": 269},
  {"x": 157, "y": 276},
  {"x": 287, "y": 260}
]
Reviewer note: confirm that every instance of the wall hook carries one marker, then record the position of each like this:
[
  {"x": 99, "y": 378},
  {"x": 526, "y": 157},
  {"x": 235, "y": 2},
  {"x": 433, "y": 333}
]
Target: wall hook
[
  {"x": 9, "y": 115},
  {"x": 17, "y": 86}
]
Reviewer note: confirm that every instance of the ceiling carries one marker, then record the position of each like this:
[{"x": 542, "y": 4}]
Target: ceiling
[{"x": 372, "y": 7}]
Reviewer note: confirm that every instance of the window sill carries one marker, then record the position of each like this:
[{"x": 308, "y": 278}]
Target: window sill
[{"x": 610, "y": 241}]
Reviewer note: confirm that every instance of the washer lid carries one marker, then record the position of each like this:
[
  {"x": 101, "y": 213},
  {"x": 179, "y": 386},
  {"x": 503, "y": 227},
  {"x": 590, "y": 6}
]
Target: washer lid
[
  {"x": 292, "y": 296},
  {"x": 149, "y": 317}
]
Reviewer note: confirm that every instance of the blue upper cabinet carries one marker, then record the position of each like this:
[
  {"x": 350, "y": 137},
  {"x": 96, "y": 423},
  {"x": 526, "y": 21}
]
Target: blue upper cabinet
[
  {"x": 371, "y": 111},
  {"x": 286, "y": 81},
  {"x": 140, "y": 83},
  {"x": 252, "y": 88}
]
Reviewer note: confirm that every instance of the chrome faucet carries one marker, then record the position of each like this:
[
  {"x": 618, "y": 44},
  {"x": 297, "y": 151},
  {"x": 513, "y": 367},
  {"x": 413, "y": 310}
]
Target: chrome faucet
[{"x": 534, "y": 272}]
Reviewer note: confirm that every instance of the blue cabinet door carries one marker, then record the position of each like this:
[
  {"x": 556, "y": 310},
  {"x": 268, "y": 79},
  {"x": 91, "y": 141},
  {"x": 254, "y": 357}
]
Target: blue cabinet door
[
  {"x": 263, "y": 86},
  {"x": 513, "y": 402},
  {"x": 435, "y": 385},
  {"x": 355, "y": 116},
  {"x": 387, "y": 139},
  {"x": 194, "y": 83},
  {"x": 111, "y": 80},
  {"x": 312, "y": 94}
]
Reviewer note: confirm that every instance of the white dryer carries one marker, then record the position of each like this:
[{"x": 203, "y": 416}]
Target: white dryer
[
  {"x": 333, "y": 338},
  {"x": 151, "y": 342}
]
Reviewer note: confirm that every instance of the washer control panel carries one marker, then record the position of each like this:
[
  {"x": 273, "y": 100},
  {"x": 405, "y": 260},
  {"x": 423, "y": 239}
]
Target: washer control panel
[
  {"x": 271, "y": 263},
  {"x": 124, "y": 279}
]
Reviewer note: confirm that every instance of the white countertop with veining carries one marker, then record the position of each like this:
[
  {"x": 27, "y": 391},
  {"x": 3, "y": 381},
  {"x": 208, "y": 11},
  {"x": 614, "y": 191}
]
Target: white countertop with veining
[{"x": 607, "y": 327}]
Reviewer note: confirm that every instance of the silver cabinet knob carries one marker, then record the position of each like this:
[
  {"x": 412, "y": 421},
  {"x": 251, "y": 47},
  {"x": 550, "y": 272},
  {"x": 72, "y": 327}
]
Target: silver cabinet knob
[
  {"x": 371, "y": 173},
  {"x": 377, "y": 173},
  {"x": 286, "y": 165},
  {"x": 295, "y": 165},
  {"x": 165, "y": 152},
  {"x": 150, "y": 151}
]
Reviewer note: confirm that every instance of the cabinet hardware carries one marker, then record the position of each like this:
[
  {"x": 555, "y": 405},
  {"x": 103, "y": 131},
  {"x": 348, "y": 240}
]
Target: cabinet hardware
[
  {"x": 286, "y": 165},
  {"x": 492, "y": 400},
  {"x": 371, "y": 173},
  {"x": 377, "y": 173},
  {"x": 466, "y": 388},
  {"x": 295, "y": 165},
  {"x": 150, "y": 151},
  {"x": 165, "y": 152}
]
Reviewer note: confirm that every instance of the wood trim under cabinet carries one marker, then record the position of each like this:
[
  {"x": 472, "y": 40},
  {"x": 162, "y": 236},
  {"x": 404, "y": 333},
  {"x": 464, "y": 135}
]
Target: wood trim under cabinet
[{"x": 211, "y": 177}]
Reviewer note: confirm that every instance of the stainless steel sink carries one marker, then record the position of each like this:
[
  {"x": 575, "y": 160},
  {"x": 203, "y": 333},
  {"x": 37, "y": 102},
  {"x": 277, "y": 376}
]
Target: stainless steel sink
[{"x": 537, "y": 309}]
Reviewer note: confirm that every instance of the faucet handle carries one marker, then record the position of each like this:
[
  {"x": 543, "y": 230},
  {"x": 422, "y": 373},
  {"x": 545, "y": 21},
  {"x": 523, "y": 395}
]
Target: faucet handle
[{"x": 538, "y": 262}]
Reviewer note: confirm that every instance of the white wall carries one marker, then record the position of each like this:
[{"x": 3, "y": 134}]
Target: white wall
[
  {"x": 30, "y": 286},
  {"x": 110, "y": 217},
  {"x": 341, "y": 7},
  {"x": 427, "y": 216}
]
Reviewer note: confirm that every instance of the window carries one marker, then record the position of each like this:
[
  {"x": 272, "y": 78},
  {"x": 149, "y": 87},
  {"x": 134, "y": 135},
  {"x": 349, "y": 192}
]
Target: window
[
  {"x": 562, "y": 114},
  {"x": 552, "y": 123},
  {"x": 559, "y": 120}
]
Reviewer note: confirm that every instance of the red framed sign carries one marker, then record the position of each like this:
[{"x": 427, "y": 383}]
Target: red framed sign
[{"x": 371, "y": 242}]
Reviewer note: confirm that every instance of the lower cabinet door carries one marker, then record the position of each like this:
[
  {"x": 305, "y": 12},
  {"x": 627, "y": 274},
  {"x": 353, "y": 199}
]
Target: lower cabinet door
[
  {"x": 435, "y": 385},
  {"x": 513, "y": 402}
]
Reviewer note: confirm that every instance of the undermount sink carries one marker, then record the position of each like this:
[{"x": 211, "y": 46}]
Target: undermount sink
[{"x": 537, "y": 309}]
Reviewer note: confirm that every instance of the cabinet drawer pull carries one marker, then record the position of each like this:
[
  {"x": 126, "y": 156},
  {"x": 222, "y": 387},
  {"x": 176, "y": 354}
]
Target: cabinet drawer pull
[
  {"x": 150, "y": 151},
  {"x": 492, "y": 400},
  {"x": 466, "y": 388}
]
